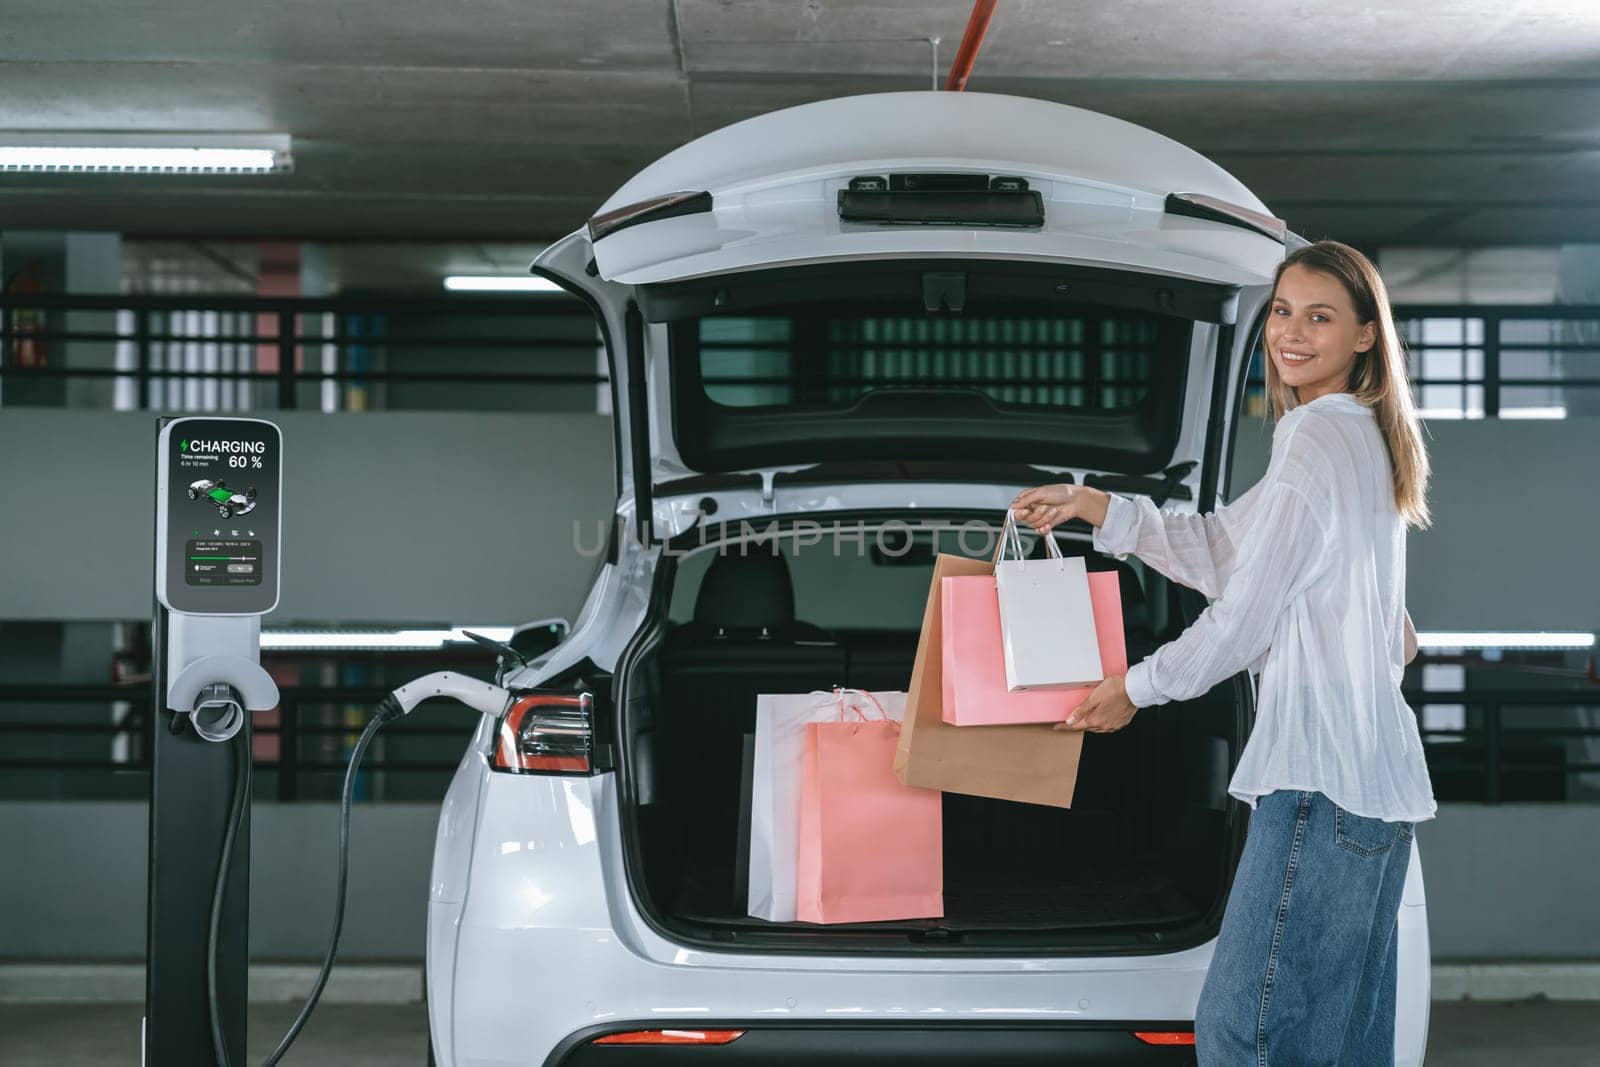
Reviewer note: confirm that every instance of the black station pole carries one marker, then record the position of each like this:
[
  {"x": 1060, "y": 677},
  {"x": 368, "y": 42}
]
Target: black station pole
[{"x": 191, "y": 790}]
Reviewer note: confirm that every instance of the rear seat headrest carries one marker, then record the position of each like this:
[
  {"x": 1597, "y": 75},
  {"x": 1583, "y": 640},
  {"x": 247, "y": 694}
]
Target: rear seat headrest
[{"x": 746, "y": 592}]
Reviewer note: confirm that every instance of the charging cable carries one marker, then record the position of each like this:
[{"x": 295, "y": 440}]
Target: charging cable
[
  {"x": 242, "y": 778},
  {"x": 476, "y": 694}
]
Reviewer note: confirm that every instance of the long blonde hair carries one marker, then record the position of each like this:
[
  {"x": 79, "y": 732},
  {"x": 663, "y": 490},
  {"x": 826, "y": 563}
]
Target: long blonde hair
[{"x": 1378, "y": 378}]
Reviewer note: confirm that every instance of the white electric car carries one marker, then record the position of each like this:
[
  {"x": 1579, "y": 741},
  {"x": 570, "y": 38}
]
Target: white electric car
[{"x": 843, "y": 336}]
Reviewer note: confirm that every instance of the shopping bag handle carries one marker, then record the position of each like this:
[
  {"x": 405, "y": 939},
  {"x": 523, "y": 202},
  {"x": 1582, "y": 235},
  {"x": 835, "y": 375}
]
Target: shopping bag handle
[
  {"x": 1009, "y": 535},
  {"x": 841, "y": 692}
]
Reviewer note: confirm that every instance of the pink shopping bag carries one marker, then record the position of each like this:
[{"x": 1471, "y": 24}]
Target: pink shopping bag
[
  {"x": 871, "y": 849},
  {"x": 974, "y": 659}
]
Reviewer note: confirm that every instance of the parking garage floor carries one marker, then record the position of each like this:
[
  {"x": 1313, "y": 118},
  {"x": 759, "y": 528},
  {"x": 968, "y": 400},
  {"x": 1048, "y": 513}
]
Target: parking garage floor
[{"x": 1529, "y": 1033}]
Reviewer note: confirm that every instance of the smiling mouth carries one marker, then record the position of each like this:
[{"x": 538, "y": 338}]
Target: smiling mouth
[{"x": 1294, "y": 358}]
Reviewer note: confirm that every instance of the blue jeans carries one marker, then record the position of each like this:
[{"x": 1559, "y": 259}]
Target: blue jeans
[{"x": 1304, "y": 970}]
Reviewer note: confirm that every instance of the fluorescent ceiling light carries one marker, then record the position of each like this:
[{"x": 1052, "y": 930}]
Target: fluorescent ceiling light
[
  {"x": 105, "y": 153},
  {"x": 1489, "y": 639},
  {"x": 1449, "y": 413},
  {"x": 1557, "y": 411},
  {"x": 376, "y": 640},
  {"x": 496, "y": 283}
]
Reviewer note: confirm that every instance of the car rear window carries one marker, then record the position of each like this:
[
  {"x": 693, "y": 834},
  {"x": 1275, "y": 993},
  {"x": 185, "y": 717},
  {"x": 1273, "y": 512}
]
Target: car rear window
[
  {"x": 1089, "y": 358},
  {"x": 918, "y": 361}
]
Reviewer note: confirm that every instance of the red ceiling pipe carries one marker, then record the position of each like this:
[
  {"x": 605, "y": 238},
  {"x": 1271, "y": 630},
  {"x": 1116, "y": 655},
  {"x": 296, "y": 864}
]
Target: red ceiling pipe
[{"x": 971, "y": 41}]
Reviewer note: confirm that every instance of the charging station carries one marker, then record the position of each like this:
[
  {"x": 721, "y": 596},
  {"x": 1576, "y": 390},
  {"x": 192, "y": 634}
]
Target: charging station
[
  {"x": 219, "y": 513},
  {"x": 219, "y": 494}
]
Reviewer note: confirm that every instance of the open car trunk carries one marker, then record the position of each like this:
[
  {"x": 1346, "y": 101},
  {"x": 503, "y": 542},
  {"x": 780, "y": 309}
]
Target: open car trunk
[{"x": 1140, "y": 863}]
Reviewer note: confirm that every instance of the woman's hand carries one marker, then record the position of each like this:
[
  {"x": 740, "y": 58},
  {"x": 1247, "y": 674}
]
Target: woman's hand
[
  {"x": 1048, "y": 506},
  {"x": 1108, "y": 709}
]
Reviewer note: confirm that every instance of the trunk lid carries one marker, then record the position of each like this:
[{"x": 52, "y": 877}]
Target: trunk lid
[{"x": 769, "y": 355}]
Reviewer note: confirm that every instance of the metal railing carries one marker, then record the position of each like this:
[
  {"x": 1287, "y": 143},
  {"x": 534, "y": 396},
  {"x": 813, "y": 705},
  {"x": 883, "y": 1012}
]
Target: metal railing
[
  {"x": 1492, "y": 751},
  {"x": 1489, "y": 759},
  {"x": 284, "y": 342},
  {"x": 292, "y": 729},
  {"x": 1493, "y": 337}
]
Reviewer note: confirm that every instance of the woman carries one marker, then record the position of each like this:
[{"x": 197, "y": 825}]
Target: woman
[{"x": 1306, "y": 573}]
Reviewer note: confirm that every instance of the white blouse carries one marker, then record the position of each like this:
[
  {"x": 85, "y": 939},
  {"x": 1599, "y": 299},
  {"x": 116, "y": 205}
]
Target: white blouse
[{"x": 1306, "y": 573}]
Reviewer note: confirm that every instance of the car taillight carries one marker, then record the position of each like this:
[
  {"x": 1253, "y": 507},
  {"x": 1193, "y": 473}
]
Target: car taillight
[
  {"x": 547, "y": 733},
  {"x": 671, "y": 1037},
  {"x": 1165, "y": 1037}
]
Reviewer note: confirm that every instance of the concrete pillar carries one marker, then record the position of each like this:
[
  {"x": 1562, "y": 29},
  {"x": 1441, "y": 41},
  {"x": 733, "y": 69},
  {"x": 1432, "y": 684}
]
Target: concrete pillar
[
  {"x": 277, "y": 275},
  {"x": 56, "y": 263},
  {"x": 1578, "y": 282},
  {"x": 315, "y": 281},
  {"x": 94, "y": 266}
]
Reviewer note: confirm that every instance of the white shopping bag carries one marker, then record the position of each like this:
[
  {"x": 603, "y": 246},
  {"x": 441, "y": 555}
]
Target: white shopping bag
[
  {"x": 1046, "y": 618},
  {"x": 780, "y": 745}
]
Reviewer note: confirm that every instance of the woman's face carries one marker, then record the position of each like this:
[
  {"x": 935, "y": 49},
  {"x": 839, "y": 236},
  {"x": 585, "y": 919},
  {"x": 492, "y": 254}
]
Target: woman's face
[{"x": 1312, "y": 335}]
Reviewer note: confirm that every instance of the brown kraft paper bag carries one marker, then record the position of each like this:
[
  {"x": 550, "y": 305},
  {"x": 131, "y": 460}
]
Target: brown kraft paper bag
[{"x": 1034, "y": 763}]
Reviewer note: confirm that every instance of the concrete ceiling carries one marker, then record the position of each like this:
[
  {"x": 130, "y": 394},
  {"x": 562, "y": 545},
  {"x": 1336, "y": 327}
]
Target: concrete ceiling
[{"x": 1408, "y": 122}]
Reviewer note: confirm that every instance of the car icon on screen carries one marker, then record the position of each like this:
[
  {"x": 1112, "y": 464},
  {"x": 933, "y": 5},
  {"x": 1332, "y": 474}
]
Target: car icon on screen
[{"x": 227, "y": 501}]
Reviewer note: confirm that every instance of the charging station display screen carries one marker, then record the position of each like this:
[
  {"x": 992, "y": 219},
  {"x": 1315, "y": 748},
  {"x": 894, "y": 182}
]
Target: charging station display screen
[{"x": 218, "y": 516}]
